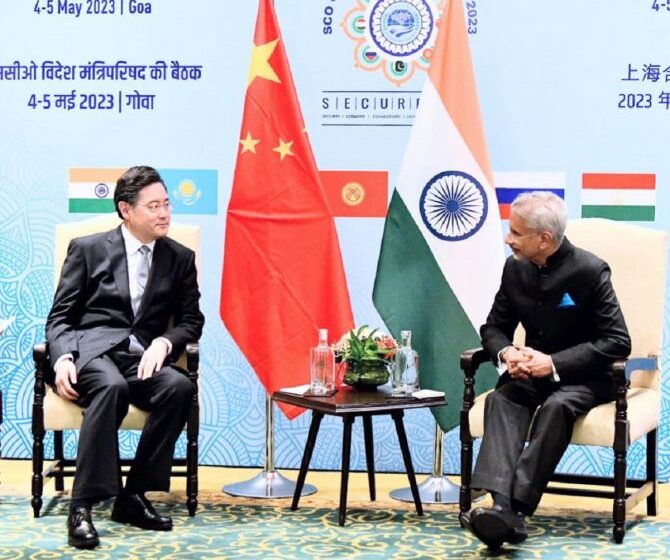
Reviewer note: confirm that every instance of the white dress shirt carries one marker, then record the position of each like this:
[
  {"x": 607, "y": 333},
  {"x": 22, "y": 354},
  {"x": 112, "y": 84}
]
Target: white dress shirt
[{"x": 133, "y": 258}]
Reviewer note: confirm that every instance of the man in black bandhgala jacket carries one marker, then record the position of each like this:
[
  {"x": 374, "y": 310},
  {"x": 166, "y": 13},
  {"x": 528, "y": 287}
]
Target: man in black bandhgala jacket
[{"x": 563, "y": 297}]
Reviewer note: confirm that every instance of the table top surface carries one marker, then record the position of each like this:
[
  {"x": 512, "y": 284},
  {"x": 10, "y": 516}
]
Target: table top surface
[{"x": 348, "y": 400}]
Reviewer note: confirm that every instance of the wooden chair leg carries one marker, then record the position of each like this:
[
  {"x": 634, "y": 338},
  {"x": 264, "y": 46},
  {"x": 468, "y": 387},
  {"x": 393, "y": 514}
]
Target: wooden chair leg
[
  {"x": 652, "y": 473},
  {"x": 192, "y": 479},
  {"x": 59, "y": 455},
  {"x": 465, "y": 492},
  {"x": 37, "y": 482},
  {"x": 192, "y": 430},
  {"x": 620, "y": 463},
  {"x": 619, "y": 513}
]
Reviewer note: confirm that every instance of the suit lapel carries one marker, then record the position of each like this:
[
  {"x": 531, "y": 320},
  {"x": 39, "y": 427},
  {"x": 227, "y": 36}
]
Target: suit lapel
[
  {"x": 116, "y": 251},
  {"x": 160, "y": 265}
]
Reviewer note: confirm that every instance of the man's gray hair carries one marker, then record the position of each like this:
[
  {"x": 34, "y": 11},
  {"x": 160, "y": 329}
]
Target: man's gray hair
[{"x": 542, "y": 211}]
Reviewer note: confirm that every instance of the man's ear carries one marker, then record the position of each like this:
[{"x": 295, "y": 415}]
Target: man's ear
[
  {"x": 124, "y": 208},
  {"x": 546, "y": 238}
]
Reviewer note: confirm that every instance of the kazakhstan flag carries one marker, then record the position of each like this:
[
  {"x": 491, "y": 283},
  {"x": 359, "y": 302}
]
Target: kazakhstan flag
[{"x": 192, "y": 191}]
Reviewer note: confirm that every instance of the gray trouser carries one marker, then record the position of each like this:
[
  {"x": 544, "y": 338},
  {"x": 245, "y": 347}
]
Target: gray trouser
[{"x": 507, "y": 466}]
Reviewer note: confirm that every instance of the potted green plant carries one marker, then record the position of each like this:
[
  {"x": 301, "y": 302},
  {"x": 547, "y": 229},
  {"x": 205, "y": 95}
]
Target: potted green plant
[{"x": 367, "y": 355}]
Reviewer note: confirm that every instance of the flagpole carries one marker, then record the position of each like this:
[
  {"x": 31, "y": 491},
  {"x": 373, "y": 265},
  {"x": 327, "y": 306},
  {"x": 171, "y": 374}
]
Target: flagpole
[
  {"x": 269, "y": 483},
  {"x": 437, "y": 488}
]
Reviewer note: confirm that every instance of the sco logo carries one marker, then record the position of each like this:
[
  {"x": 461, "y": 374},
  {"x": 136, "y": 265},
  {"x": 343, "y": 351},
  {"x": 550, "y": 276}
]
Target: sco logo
[{"x": 401, "y": 27}]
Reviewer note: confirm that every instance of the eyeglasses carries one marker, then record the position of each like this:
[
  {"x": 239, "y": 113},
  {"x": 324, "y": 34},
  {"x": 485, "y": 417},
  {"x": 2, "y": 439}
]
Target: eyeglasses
[{"x": 155, "y": 207}]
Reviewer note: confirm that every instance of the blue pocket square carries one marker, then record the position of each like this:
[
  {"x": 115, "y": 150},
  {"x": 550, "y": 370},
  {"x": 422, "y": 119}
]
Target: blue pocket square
[{"x": 566, "y": 301}]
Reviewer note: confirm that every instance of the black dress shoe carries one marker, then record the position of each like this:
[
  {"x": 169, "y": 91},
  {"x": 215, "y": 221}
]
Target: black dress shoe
[
  {"x": 80, "y": 530},
  {"x": 494, "y": 526},
  {"x": 464, "y": 520},
  {"x": 137, "y": 510},
  {"x": 520, "y": 532}
]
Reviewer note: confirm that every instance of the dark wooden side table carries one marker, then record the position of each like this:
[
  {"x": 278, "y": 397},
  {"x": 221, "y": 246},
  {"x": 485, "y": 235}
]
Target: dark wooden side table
[{"x": 349, "y": 403}]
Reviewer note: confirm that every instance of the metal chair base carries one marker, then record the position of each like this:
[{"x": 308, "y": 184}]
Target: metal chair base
[{"x": 267, "y": 484}]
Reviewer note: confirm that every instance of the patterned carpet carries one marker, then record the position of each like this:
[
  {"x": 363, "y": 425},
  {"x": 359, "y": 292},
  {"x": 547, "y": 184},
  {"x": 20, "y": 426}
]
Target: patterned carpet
[{"x": 269, "y": 532}]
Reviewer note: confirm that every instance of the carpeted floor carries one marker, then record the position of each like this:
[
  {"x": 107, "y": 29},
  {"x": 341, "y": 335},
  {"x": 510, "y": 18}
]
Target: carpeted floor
[{"x": 260, "y": 530}]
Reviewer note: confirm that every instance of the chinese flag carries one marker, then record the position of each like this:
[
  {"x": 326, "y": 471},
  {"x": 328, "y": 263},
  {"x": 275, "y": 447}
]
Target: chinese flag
[{"x": 283, "y": 277}]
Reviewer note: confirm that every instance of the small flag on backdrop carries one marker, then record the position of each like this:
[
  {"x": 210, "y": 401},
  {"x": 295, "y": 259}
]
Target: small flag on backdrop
[
  {"x": 510, "y": 184},
  {"x": 191, "y": 191},
  {"x": 91, "y": 190},
  {"x": 356, "y": 193},
  {"x": 619, "y": 196}
]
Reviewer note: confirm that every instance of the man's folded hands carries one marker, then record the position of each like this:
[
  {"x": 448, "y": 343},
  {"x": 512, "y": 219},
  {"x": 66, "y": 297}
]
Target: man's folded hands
[{"x": 524, "y": 362}]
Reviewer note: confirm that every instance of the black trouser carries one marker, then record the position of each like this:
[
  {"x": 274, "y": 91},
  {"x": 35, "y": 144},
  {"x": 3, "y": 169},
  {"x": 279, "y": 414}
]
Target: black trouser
[
  {"x": 504, "y": 464},
  {"x": 107, "y": 385}
]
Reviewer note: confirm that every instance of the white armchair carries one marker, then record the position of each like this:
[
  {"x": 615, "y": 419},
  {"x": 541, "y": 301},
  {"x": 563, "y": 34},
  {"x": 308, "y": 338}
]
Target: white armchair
[
  {"x": 637, "y": 258},
  {"x": 52, "y": 412}
]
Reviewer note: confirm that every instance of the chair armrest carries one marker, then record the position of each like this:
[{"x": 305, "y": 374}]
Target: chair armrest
[
  {"x": 193, "y": 366},
  {"x": 621, "y": 372},
  {"x": 40, "y": 351},
  {"x": 193, "y": 357},
  {"x": 42, "y": 367},
  {"x": 470, "y": 362},
  {"x": 472, "y": 359},
  {"x": 624, "y": 369}
]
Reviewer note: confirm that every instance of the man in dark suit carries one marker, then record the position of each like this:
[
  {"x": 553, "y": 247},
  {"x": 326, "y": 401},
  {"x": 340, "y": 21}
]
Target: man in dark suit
[
  {"x": 563, "y": 297},
  {"x": 125, "y": 307}
]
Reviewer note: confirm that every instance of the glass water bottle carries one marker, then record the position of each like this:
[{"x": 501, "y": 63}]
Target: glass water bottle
[
  {"x": 322, "y": 365},
  {"x": 405, "y": 379}
]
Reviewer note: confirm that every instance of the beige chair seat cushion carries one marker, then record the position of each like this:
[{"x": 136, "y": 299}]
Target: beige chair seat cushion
[
  {"x": 61, "y": 414},
  {"x": 596, "y": 427}
]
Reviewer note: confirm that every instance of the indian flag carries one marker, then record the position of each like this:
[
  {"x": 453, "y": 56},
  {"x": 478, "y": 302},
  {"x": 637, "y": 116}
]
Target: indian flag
[
  {"x": 619, "y": 196},
  {"x": 442, "y": 251},
  {"x": 91, "y": 190}
]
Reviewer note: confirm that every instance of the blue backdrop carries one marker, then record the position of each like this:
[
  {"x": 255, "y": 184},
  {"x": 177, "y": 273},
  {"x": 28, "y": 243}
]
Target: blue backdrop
[{"x": 566, "y": 88}]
